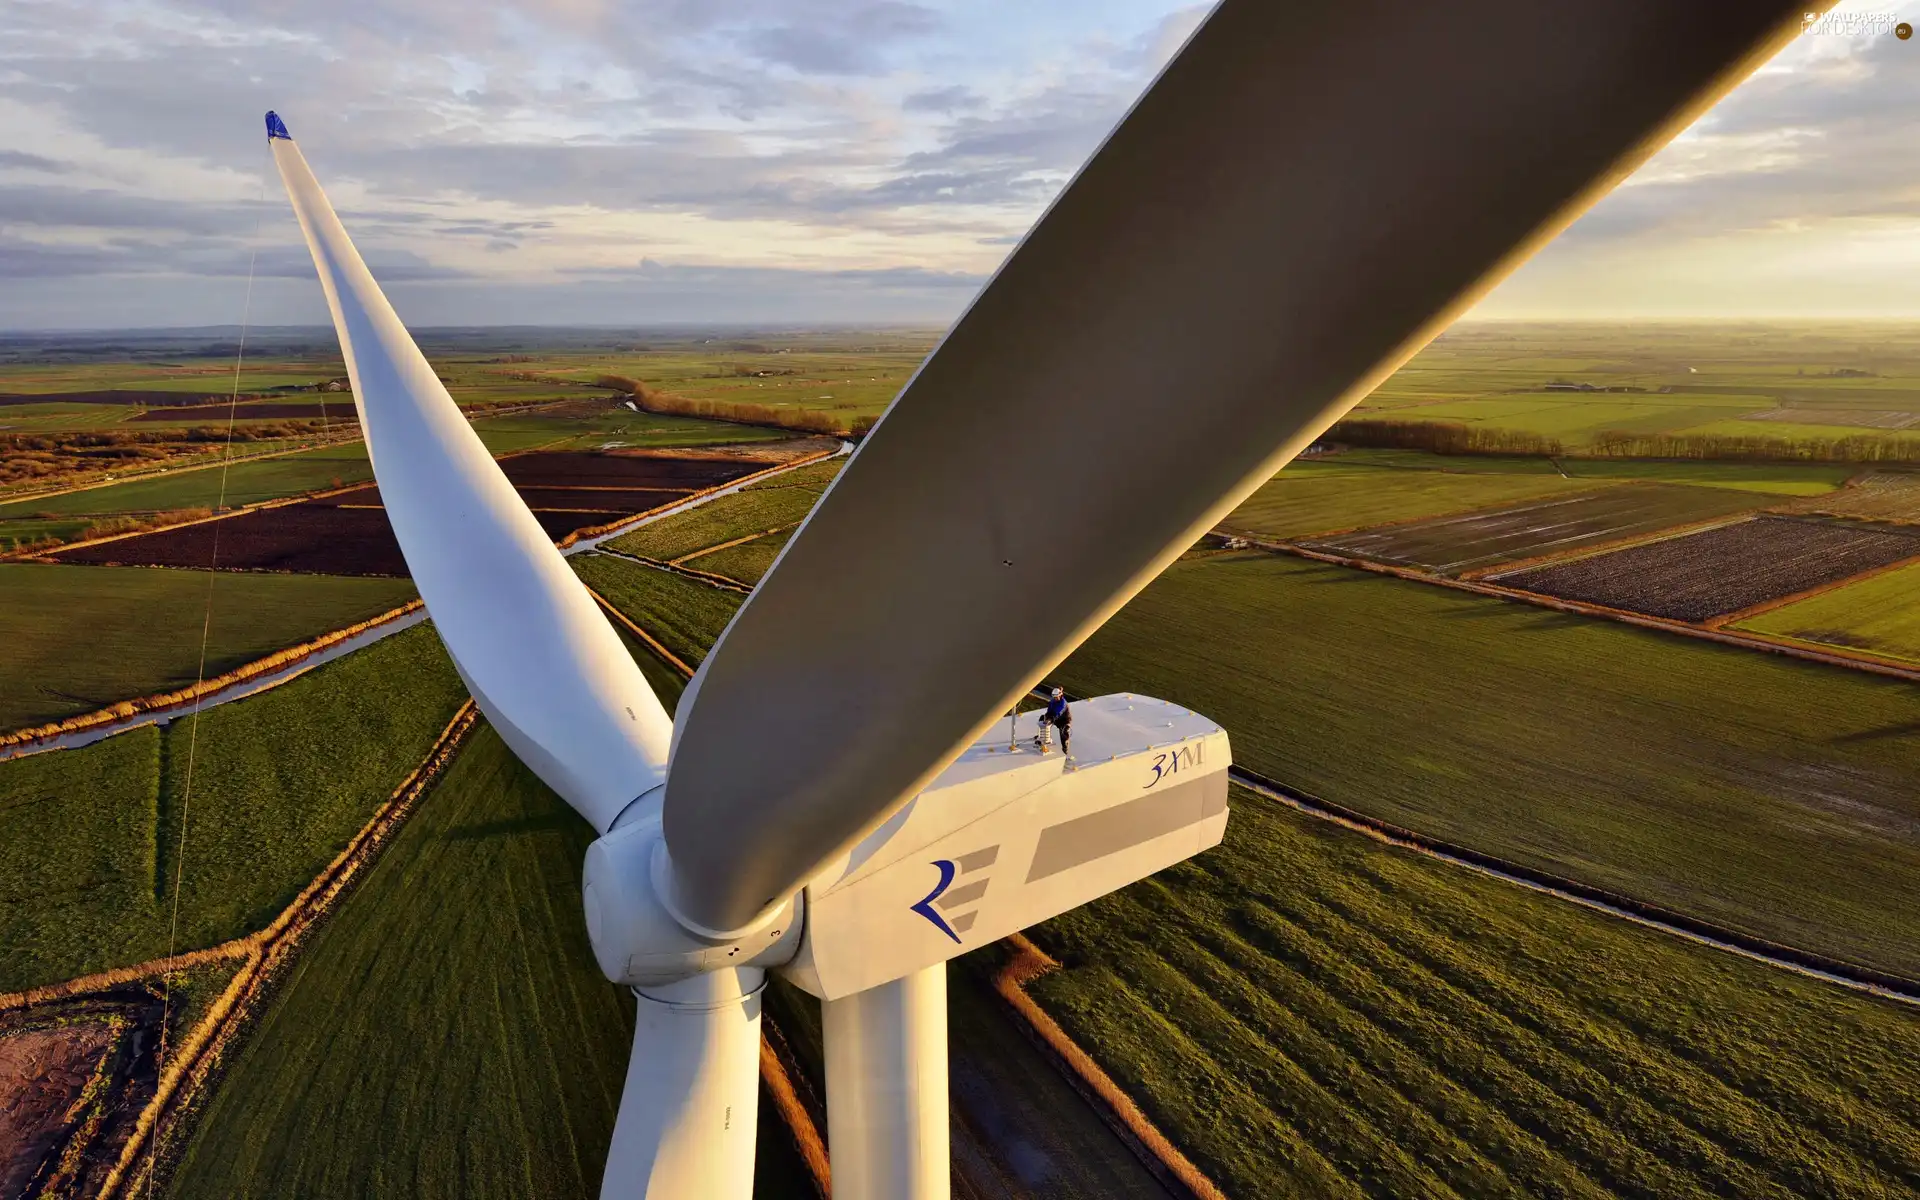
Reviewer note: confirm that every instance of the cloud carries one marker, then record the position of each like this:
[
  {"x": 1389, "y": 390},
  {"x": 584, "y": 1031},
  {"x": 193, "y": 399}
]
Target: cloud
[
  {"x": 850, "y": 44},
  {"x": 492, "y": 153},
  {"x": 22, "y": 161},
  {"x": 952, "y": 99}
]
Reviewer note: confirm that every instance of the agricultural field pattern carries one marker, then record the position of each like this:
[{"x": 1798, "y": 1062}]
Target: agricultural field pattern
[
  {"x": 1634, "y": 611},
  {"x": 1699, "y": 576}
]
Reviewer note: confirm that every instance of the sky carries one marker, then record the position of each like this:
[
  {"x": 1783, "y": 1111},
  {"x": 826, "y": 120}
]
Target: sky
[{"x": 813, "y": 162}]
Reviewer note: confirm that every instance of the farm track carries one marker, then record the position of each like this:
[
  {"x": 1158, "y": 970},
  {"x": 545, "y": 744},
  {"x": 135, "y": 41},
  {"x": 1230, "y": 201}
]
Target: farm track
[{"x": 248, "y": 679}]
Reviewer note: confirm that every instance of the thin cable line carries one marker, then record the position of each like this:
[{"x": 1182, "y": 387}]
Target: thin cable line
[{"x": 200, "y": 677}]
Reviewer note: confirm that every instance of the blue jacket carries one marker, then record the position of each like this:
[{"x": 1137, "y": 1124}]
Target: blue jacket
[{"x": 1057, "y": 713}]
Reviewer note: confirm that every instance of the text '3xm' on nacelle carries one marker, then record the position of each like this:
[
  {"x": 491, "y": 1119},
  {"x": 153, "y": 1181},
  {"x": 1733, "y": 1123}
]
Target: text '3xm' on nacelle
[{"x": 1007, "y": 837}]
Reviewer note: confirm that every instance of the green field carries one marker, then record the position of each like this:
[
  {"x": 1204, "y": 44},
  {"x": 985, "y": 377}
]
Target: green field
[
  {"x": 447, "y": 1033},
  {"x": 1774, "y": 479},
  {"x": 685, "y": 614},
  {"x": 1496, "y": 372},
  {"x": 1356, "y": 489},
  {"x": 247, "y": 483},
  {"x": 748, "y": 561},
  {"x": 816, "y": 476},
  {"x": 718, "y": 521},
  {"x": 1324, "y": 495},
  {"x": 600, "y": 425},
  {"x": 1768, "y": 794},
  {"x": 1309, "y": 1013},
  {"x": 1881, "y": 614},
  {"x": 81, "y": 638},
  {"x": 91, "y": 840}
]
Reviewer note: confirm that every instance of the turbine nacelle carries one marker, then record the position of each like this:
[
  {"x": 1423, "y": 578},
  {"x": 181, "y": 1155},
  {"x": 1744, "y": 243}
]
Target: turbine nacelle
[{"x": 1001, "y": 840}]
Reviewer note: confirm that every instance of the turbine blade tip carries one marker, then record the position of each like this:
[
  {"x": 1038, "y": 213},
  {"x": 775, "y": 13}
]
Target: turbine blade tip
[{"x": 276, "y": 128}]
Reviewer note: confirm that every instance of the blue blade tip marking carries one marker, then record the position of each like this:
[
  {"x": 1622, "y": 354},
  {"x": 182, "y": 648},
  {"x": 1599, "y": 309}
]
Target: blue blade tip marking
[{"x": 276, "y": 128}]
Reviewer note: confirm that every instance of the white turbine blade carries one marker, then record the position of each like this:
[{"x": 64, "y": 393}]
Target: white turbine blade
[
  {"x": 1305, "y": 196},
  {"x": 687, "y": 1114},
  {"x": 535, "y": 651}
]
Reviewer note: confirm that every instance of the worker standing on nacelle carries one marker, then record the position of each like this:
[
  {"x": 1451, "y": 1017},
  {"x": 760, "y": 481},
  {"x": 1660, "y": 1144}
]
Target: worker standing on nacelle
[{"x": 1057, "y": 716}]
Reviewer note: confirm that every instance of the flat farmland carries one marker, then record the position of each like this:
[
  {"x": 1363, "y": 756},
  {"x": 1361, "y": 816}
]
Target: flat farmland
[
  {"x": 1892, "y": 496},
  {"x": 80, "y": 638},
  {"x": 247, "y": 483},
  {"x": 1768, "y": 794},
  {"x": 1323, "y": 495},
  {"x": 1768, "y": 478},
  {"x": 447, "y": 1033},
  {"x": 347, "y": 533},
  {"x": 1719, "y": 571},
  {"x": 684, "y": 614},
  {"x": 1576, "y": 419},
  {"x": 1309, "y": 1013},
  {"x": 1881, "y": 614},
  {"x": 726, "y": 519},
  {"x": 1553, "y": 524},
  {"x": 600, "y": 424},
  {"x": 747, "y": 562},
  {"x": 815, "y": 475},
  {"x": 91, "y": 839}
]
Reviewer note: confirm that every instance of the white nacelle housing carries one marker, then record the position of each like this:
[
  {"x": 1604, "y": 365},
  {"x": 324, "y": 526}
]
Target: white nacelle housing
[{"x": 1007, "y": 837}]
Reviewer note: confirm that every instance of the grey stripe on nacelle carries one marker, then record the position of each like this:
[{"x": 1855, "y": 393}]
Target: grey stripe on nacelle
[{"x": 1111, "y": 830}]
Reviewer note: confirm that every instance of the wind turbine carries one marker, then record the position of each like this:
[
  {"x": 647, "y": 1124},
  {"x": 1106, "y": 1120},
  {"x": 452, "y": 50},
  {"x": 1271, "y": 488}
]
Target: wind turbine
[{"x": 1303, "y": 198}]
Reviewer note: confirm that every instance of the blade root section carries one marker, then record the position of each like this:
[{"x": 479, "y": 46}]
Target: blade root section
[
  {"x": 687, "y": 1114},
  {"x": 535, "y": 651},
  {"x": 1305, "y": 197}
]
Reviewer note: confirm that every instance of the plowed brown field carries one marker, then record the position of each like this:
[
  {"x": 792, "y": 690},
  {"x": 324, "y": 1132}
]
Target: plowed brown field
[
  {"x": 1723, "y": 570},
  {"x": 347, "y": 533}
]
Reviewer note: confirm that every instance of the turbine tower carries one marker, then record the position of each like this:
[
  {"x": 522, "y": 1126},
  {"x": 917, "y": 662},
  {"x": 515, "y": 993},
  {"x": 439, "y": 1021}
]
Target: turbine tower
[{"x": 1303, "y": 198}]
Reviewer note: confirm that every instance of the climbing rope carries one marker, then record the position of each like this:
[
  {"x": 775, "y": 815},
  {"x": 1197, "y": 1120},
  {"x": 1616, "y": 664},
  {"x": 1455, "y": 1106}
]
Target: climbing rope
[{"x": 200, "y": 677}]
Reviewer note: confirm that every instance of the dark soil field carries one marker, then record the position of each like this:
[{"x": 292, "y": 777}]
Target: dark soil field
[
  {"x": 347, "y": 533},
  {"x": 313, "y": 538},
  {"x": 1722, "y": 570},
  {"x": 1553, "y": 524},
  {"x": 43, "y": 1073}
]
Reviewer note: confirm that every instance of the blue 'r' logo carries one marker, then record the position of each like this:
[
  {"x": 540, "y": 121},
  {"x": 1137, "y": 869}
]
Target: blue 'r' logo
[{"x": 925, "y": 907}]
